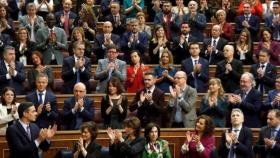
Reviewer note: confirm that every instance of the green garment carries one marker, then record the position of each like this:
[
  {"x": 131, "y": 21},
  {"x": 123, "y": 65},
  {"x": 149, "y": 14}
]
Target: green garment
[{"x": 162, "y": 150}]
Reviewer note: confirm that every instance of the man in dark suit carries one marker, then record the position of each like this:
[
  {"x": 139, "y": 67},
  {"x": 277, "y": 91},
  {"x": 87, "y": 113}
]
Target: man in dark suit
[
  {"x": 16, "y": 8},
  {"x": 268, "y": 145},
  {"x": 25, "y": 139},
  {"x": 213, "y": 47},
  {"x": 134, "y": 40},
  {"x": 102, "y": 40},
  {"x": 196, "y": 69},
  {"x": 117, "y": 19},
  {"x": 77, "y": 109},
  {"x": 65, "y": 18},
  {"x": 249, "y": 21},
  {"x": 11, "y": 72},
  {"x": 273, "y": 21},
  {"x": 237, "y": 141},
  {"x": 168, "y": 20},
  {"x": 264, "y": 72},
  {"x": 248, "y": 99},
  {"x": 76, "y": 68},
  {"x": 44, "y": 102},
  {"x": 181, "y": 43},
  {"x": 197, "y": 21},
  {"x": 273, "y": 96},
  {"x": 149, "y": 102},
  {"x": 229, "y": 70}
]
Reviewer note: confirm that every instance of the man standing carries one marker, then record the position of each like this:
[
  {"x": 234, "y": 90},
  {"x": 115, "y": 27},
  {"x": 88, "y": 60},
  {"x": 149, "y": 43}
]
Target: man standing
[
  {"x": 196, "y": 69},
  {"x": 108, "y": 68},
  {"x": 273, "y": 21},
  {"x": 148, "y": 102},
  {"x": 248, "y": 99},
  {"x": 268, "y": 145},
  {"x": 77, "y": 109},
  {"x": 25, "y": 139},
  {"x": 11, "y": 72},
  {"x": 273, "y": 96},
  {"x": 51, "y": 40},
  {"x": 264, "y": 72},
  {"x": 182, "y": 103},
  {"x": 237, "y": 141},
  {"x": 229, "y": 70},
  {"x": 44, "y": 102},
  {"x": 76, "y": 68}
]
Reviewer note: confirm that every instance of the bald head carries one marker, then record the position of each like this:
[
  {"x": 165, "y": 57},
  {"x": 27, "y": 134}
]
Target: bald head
[
  {"x": 79, "y": 90},
  {"x": 107, "y": 27},
  {"x": 180, "y": 78},
  {"x": 216, "y": 31}
]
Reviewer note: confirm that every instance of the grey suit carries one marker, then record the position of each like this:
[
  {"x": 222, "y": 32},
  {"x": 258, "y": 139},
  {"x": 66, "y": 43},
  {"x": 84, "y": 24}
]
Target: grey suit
[
  {"x": 39, "y": 23},
  {"x": 187, "y": 104},
  {"x": 48, "y": 49},
  {"x": 102, "y": 73}
]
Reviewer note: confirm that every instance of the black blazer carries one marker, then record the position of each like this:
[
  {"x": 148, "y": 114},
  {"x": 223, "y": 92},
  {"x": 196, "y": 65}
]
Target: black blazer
[
  {"x": 268, "y": 80},
  {"x": 215, "y": 57},
  {"x": 124, "y": 149},
  {"x": 260, "y": 147},
  {"x": 19, "y": 143},
  {"x": 93, "y": 150},
  {"x": 45, "y": 119},
  {"x": 149, "y": 112},
  {"x": 30, "y": 46},
  {"x": 243, "y": 149},
  {"x": 230, "y": 81},
  {"x": 120, "y": 29}
]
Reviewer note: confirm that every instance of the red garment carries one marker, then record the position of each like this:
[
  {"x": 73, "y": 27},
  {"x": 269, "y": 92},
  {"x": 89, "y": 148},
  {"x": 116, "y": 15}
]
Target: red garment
[
  {"x": 138, "y": 82},
  {"x": 257, "y": 9},
  {"x": 227, "y": 31}
]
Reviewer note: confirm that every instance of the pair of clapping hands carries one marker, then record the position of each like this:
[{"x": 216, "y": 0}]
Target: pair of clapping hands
[
  {"x": 47, "y": 133},
  {"x": 115, "y": 135}
]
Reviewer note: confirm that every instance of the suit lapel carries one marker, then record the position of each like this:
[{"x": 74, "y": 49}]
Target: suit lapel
[{"x": 23, "y": 131}]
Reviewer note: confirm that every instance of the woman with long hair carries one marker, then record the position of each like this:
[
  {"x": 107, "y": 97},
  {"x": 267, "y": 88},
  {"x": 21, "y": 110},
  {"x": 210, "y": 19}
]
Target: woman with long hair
[
  {"x": 135, "y": 71},
  {"x": 165, "y": 71},
  {"x": 157, "y": 45},
  {"x": 8, "y": 109},
  {"x": 244, "y": 48},
  {"x": 114, "y": 105},
  {"x": 6, "y": 23},
  {"x": 214, "y": 103},
  {"x": 39, "y": 67},
  {"x": 201, "y": 142}
]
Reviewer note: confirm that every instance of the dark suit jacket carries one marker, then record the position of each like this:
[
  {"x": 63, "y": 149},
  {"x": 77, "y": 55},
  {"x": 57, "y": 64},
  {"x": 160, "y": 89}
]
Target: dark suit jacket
[
  {"x": 254, "y": 23},
  {"x": 201, "y": 78},
  {"x": 251, "y": 107},
  {"x": 45, "y": 119},
  {"x": 15, "y": 82},
  {"x": 215, "y": 56},
  {"x": 120, "y": 29},
  {"x": 128, "y": 149},
  {"x": 243, "y": 149},
  {"x": 19, "y": 143},
  {"x": 13, "y": 9},
  {"x": 99, "y": 41},
  {"x": 72, "y": 16},
  {"x": 275, "y": 28},
  {"x": 149, "y": 112},
  {"x": 28, "y": 52},
  {"x": 180, "y": 53},
  {"x": 230, "y": 81},
  {"x": 5, "y": 40},
  {"x": 70, "y": 78},
  {"x": 197, "y": 25},
  {"x": 270, "y": 97},
  {"x": 93, "y": 150},
  {"x": 268, "y": 80},
  {"x": 260, "y": 147},
  {"x": 70, "y": 119}
]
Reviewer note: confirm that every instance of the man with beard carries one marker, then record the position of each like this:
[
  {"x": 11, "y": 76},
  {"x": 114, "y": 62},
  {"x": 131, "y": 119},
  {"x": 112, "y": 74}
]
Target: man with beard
[{"x": 51, "y": 40}]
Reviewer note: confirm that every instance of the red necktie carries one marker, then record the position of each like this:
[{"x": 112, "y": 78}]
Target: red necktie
[{"x": 66, "y": 23}]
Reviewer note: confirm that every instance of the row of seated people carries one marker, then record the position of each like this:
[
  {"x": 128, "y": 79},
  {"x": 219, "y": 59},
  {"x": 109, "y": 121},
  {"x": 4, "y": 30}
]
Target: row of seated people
[
  {"x": 149, "y": 104},
  {"x": 228, "y": 70},
  {"x": 50, "y": 40},
  {"x": 237, "y": 141}
]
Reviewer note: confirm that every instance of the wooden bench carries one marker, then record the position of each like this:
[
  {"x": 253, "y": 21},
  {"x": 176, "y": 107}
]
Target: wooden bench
[{"x": 66, "y": 139}]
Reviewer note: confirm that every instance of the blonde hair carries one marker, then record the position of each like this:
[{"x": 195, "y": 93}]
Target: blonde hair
[
  {"x": 221, "y": 91},
  {"x": 170, "y": 56}
]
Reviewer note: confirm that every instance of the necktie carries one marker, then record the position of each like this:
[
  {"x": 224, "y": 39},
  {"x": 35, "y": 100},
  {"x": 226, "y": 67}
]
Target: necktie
[
  {"x": 195, "y": 79},
  {"x": 115, "y": 18},
  {"x": 28, "y": 132},
  {"x": 78, "y": 74},
  {"x": 243, "y": 96},
  {"x": 66, "y": 24},
  {"x": 246, "y": 17},
  {"x": 110, "y": 74},
  {"x": 214, "y": 45},
  {"x": 273, "y": 133},
  {"x": 149, "y": 92},
  {"x": 40, "y": 98},
  {"x": 231, "y": 150},
  {"x": 261, "y": 84}
]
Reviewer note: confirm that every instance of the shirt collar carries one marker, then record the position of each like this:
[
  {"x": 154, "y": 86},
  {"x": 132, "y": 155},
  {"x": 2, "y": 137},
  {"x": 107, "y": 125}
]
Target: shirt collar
[
  {"x": 44, "y": 92},
  {"x": 193, "y": 59},
  {"x": 24, "y": 125},
  {"x": 151, "y": 89}
]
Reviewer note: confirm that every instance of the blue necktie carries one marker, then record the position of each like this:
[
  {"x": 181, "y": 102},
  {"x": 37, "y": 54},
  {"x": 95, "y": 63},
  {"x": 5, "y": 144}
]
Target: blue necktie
[
  {"x": 78, "y": 76},
  {"x": 195, "y": 79},
  {"x": 110, "y": 74},
  {"x": 231, "y": 150},
  {"x": 261, "y": 84},
  {"x": 28, "y": 132},
  {"x": 40, "y": 98}
]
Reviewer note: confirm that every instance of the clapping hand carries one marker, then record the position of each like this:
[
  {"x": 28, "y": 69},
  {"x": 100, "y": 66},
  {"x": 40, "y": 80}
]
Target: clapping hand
[
  {"x": 269, "y": 142},
  {"x": 12, "y": 69},
  {"x": 189, "y": 137},
  {"x": 48, "y": 107},
  {"x": 40, "y": 109},
  {"x": 51, "y": 131}
]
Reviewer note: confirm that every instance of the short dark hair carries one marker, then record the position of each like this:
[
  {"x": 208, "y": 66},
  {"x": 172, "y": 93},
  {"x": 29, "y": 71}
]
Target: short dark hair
[
  {"x": 276, "y": 111},
  {"x": 150, "y": 73},
  {"x": 276, "y": 2},
  {"x": 3, "y": 94},
  {"x": 112, "y": 46},
  {"x": 265, "y": 50},
  {"x": 23, "y": 107},
  {"x": 8, "y": 47},
  {"x": 148, "y": 129},
  {"x": 116, "y": 83},
  {"x": 138, "y": 53},
  {"x": 92, "y": 128},
  {"x": 42, "y": 75},
  {"x": 76, "y": 43},
  {"x": 134, "y": 123},
  {"x": 193, "y": 43},
  {"x": 209, "y": 125}
]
